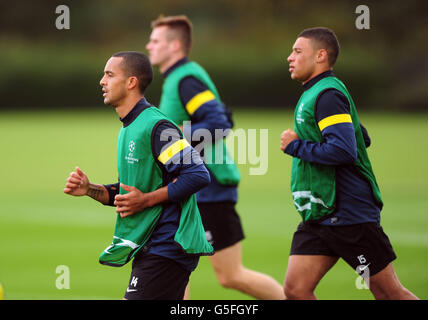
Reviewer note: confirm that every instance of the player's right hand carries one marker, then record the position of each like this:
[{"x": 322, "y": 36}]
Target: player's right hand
[{"x": 77, "y": 183}]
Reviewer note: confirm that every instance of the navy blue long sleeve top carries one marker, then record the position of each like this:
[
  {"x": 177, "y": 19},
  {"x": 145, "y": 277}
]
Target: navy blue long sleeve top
[
  {"x": 210, "y": 115},
  {"x": 188, "y": 168},
  {"x": 355, "y": 202}
]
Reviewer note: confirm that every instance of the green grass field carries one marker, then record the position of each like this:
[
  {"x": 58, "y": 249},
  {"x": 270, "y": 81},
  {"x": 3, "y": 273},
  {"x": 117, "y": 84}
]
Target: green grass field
[{"x": 42, "y": 228}]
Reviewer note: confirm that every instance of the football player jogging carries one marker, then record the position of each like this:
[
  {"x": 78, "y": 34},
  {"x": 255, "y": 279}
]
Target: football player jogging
[
  {"x": 189, "y": 94},
  {"x": 332, "y": 182},
  {"x": 163, "y": 234}
]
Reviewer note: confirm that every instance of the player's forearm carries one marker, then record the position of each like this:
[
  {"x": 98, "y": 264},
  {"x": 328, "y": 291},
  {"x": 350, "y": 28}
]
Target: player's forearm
[
  {"x": 136, "y": 201},
  {"x": 98, "y": 192},
  {"x": 320, "y": 153},
  {"x": 190, "y": 181},
  {"x": 156, "y": 197}
]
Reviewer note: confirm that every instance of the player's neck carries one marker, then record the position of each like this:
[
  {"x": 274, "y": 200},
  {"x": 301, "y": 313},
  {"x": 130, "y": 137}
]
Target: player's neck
[
  {"x": 317, "y": 73},
  {"x": 123, "y": 108},
  {"x": 171, "y": 61}
]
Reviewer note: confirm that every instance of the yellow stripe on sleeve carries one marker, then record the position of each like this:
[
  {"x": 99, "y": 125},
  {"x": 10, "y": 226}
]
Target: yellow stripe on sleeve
[
  {"x": 198, "y": 101},
  {"x": 172, "y": 150},
  {"x": 334, "y": 119}
]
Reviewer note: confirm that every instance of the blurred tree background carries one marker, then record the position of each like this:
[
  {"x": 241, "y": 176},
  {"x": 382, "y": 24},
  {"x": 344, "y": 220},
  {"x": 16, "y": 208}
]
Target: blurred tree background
[{"x": 243, "y": 44}]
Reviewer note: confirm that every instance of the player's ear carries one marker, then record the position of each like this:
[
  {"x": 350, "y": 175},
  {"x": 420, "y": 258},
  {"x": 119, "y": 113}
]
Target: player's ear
[
  {"x": 132, "y": 83},
  {"x": 322, "y": 56},
  {"x": 176, "y": 45}
]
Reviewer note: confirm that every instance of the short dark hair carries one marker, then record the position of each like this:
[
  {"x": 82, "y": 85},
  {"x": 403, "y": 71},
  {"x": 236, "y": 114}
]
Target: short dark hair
[
  {"x": 180, "y": 25},
  {"x": 137, "y": 64},
  {"x": 325, "y": 39}
]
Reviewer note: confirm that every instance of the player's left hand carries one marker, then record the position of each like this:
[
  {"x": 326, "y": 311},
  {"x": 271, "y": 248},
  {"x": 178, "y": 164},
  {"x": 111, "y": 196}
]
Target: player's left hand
[
  {"x": 132, "y": 202},
  {"x": 286, "y": 137}
]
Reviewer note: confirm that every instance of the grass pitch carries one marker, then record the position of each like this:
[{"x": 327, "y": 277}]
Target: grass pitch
[{"x": 42, "y": 228}]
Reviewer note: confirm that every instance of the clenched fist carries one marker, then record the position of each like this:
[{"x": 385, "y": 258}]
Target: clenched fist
[
  {"x": 286, "y": 137},
  {"x": 77, "y": 183}
]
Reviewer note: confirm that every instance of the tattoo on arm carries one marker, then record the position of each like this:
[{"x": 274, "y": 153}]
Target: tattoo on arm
[{"x": 97, "y": 192}]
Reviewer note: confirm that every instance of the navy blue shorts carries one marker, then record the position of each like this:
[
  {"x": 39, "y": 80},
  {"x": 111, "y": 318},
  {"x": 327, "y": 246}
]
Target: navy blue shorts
[
  {"x": 155, "y": 277},
  {"x": 222, "y": 224},
  {"x": 364, "y": 246}
]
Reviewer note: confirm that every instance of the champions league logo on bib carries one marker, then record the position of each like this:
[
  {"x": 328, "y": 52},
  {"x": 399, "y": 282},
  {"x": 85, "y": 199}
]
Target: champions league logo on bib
[
  {"x": 299, "y": 117},
  {"x": 131, "y": 146},
  {"x": 130, "y": 157}
]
